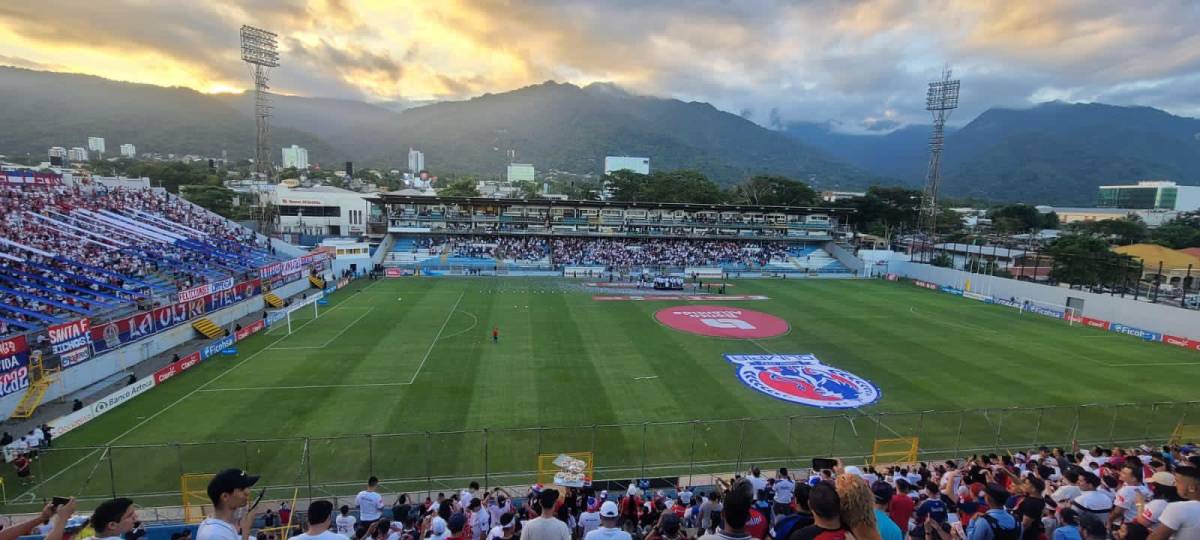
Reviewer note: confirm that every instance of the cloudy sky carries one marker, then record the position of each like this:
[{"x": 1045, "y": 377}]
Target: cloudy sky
[{"x": 862, "y": 65}]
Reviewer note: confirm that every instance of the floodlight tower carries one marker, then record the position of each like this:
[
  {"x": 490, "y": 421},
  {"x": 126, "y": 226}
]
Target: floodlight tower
[
  {"x": 260, "y": 50},
  {"x": 940, "y": 99}
]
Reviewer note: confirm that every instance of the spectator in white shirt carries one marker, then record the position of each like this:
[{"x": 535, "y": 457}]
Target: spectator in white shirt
[
  {"x": 546, "y": 526},
  {"x": 1092, "y": 502},
  {"x": 1181, "y": 520},
  {"x": 784, "y": 489},
  {"x": 229, "y": 490},
  {"x": 608, "y": 525},
  {"x": 319, "y": 519},
  {"x": 1125, "y": 504},
  {"x": 370, "y": 503},
  {"x": 345, "y": 522}
]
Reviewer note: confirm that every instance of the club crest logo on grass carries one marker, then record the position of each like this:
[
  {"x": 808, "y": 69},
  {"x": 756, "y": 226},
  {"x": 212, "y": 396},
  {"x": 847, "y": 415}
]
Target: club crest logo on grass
[
  {"x": 803, "y": 379},
  {"x": 722, "y": 321}
]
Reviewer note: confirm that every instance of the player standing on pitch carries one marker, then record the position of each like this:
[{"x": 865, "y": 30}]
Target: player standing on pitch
[{"x": 495, "y": 335}]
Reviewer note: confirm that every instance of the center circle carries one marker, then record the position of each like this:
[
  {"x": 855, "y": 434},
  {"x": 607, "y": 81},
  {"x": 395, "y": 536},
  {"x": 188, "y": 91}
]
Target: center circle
[{"x": 722, "y": 321}]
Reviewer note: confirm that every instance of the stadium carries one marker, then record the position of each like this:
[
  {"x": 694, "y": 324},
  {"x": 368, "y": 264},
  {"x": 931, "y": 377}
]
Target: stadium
[{"x": 670, "y": 344}]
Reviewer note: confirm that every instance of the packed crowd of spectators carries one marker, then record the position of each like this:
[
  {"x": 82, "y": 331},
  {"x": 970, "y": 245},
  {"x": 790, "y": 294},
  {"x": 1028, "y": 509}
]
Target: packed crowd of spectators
[
  {"x": 524, "y": 249},
  {"x": 1124, "y": 494},
  {"x": 626, "y": 252},
  {"x": 82, "y": 256}
]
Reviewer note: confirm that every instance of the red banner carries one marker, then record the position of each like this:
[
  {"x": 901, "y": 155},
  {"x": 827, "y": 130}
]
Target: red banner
[
  {"x": 29, "y": 177},
  {"x": 925, "y": 284},
  {"x": 176, "y": 367},
  {"x": 123, "y": 331},
  {"x": 14, "y": 365},
  {"x": 1095, "y": 323},
  {"x": 1186, "y": 343},
  {"x": 245, "y": 332},
  {"x": 293, "y": 265},
  {"x": 393, "y": 272},
  {"x": 71, "y": 341}
]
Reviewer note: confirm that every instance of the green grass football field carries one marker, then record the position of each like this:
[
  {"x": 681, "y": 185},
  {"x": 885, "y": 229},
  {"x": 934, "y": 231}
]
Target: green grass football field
[{"x": 411, "y": 362}]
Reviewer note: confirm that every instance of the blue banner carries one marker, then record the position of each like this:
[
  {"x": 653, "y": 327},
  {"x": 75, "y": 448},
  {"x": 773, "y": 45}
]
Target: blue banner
[
  {"x": 1135, "y": 332},
  {"x": 215, "y": 347},
  {"x": 951, "y": 290}
]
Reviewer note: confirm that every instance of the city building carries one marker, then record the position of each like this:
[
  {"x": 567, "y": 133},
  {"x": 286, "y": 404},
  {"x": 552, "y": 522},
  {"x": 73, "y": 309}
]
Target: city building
[
  {"x": 1164, "y": 265},
  {"x": 295, "y": 156},
  {"x": 835, "y": 196},
  {"x": 1152, "y": 218},
  {"x": 348, "y": 254},
  {"x": 77, "y": 154},
  {"x": 96, "y": 144},
  {"x": 1151, "y": 195},
  {"x": 416, "y": 161},
  {"x": 58, "y": 155},
  {"x": 314, "y": 213},
  {"x": 128, "y": 150},
  {"x": 638, "y": 165},
  {"x": 520, "y": 172}
]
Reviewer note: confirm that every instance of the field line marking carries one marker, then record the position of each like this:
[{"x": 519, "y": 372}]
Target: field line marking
[
  {"x": 30, "y": 491},
  {"x": 914, "y": 311},
  {"x": 335, "y": 336},
  {"x": 468, "y": 329},
  {"x": 436, "y": 337},
  {"x": 307, "y": 387},
  {"x": 1156, "y": 364},
  {"x": 859, "y": 409}
]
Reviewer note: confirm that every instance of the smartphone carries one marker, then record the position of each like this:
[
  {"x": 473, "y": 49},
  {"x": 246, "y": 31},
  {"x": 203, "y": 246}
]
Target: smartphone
[
  {"x": 820, "y": 464},
  {"x": 59, "y": 501}
]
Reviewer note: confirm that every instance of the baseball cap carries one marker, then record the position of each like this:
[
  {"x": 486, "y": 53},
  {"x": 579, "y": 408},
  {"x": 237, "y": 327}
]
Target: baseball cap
[
  {"x": 457, "y": 522},
  {"x": 228, "y": 480},
  {"x": 507, "y": 521},
  {"x": 1162, "y": 478},
  {"x": 883, "y": 491},
  {"x": 854, "y": 470},
  {"x": 685, "y": 497},
  {"x": 396, "y": 525},
  {"x": 438, "y": 526},
  {"x": 608, "y": 509}
]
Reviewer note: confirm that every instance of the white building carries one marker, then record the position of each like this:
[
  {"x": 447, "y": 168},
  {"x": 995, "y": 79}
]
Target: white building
[
  {"x": 295, "y": 156},
  {"x": 96, "y": 144},
  {"x": 638, "y": 165},
  {"x": 128, "y": 150},
  {"x": 349, "y": 254},
  {"x": 416, "y": 161},
  {"x": 520, "y": 172},
  {"x": 77, "y": 154},
  {"x": 321, "y": 210},
  {"x": 58, "y": 152}
]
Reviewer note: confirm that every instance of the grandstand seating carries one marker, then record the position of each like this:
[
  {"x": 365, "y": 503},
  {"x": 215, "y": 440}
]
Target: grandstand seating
[{"x": 85, "y": 251}]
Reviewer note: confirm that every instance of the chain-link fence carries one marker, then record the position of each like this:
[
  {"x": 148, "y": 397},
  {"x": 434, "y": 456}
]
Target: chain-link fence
[{"x": 444, "y": 460}]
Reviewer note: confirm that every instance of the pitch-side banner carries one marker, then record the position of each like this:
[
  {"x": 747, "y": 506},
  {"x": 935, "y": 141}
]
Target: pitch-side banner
[
  {"x": 291, "y": 266},
  {"x": 28, "y": 177},
  {"x": 14, "y": 365},
  {"x": 71, "y": 342},
  {"x": 175, "y": 368},
  {"x": 187, "y": 295},
  {"x": 124, "y": 331}
]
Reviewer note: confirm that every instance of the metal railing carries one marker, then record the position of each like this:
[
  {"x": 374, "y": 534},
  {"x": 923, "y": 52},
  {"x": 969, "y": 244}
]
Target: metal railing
[{"x": 433, "y": 461}]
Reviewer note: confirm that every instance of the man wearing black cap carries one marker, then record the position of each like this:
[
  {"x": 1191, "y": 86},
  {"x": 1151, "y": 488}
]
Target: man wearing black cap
[
  {"x": 229, "y": 490},
  {"x": 319, "y": 514},
  {"x": 995, "y": 524}
]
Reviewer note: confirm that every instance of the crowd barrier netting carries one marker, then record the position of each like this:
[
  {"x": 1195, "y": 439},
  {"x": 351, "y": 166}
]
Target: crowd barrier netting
[{"x": 441, "y": 461}]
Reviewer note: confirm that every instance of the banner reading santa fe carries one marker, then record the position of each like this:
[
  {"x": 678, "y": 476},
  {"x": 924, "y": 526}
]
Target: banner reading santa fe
[
  {"x": 803, "y": 379},
  {"x": 722, "y": 321}
]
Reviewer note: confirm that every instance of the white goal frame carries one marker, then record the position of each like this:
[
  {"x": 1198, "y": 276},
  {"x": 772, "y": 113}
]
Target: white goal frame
[{"x": 288, "y": 311}]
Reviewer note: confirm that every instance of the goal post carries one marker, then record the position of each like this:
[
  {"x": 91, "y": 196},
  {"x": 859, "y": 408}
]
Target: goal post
[
  {"x": 899, "y": 451},
  {"x": 286, "y": 313},
  {"x": 193, "y": 487}
]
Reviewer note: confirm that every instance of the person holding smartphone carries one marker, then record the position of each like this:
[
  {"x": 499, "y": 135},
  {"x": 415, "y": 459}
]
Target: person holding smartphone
[{"x": 229, "y": 490}]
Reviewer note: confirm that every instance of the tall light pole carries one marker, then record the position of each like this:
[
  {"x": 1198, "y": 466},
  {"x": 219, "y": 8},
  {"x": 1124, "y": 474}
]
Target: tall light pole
[
  {"x": 940, "y": 99},
  {"x": 260, "y": 51}
]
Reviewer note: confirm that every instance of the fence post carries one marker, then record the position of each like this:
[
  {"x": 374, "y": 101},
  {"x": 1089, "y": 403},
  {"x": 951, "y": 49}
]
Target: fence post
[
  {"x": 875, "y": 433},
  {"x": 371, "y": 454},
  {"x": 308, "y": 451},
  {"x": 485, "y": 458},
  {"x": 179, "y": 459},
  {"x": 428, "y": 471},
  {"x": 112, "y": 474},
  {"x": 958, "y": 434},
  {"x": 245, "y": 455},
  {"x": 999, "y": 428},
  {"x": 692, "y": 452},
  {"x": 539, "y": 447},
  {"x": 741, "y": 444},
  {"x": 1112, "y": 424},
  {"x": 1037, "y": 430},
  {"x": 788, "y": 453},
  {"x": 644, "y": 426},
  {"x": 1153, "y": 410},
  {"x": 833, "y": 439},
  {"x": 1075, "y": 426},
  {"x": 593, "y": 444}
]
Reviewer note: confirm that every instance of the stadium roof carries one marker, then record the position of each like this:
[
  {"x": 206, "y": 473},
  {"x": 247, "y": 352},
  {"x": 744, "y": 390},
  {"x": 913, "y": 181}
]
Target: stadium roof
[
  {"x": 973, "y": 249},
  {"x": 1152, "y": 254},
  {"x": 392, "y": 198}
]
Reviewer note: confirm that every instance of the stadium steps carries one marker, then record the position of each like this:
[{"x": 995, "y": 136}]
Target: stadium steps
[
  {"x": 273, "y": 300},
  {"x": 40, "y": 380},
  {"x": 316, "y": 282},
  {"x": 208, "y": 328}
]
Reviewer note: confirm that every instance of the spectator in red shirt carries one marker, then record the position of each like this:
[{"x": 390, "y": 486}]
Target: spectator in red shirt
[
  {"x": 756, "y": 526},
  {"x": 900, "y": 509}
]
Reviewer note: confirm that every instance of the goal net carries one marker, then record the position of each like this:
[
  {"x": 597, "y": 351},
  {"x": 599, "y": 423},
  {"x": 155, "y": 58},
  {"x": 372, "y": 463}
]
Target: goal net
[{"x": 286, "y": 313}]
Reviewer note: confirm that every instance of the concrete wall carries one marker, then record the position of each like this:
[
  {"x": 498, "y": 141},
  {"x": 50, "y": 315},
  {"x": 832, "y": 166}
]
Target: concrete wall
[
  {"x": 106, "y": 365},
  {"x": 844, "y": 256},
  {"x": 1156, "y": 317}
]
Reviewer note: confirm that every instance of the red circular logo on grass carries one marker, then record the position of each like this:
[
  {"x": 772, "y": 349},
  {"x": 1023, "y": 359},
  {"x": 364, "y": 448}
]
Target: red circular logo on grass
[{"x": 722, "y": 321}]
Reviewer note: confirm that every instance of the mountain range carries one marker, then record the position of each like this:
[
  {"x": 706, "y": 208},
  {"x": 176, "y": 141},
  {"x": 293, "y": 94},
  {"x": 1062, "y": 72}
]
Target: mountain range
[{"x": 1053, "y": 153}]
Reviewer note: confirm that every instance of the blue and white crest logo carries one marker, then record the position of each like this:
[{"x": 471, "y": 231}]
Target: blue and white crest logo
[{"x": 803, "y": 379}]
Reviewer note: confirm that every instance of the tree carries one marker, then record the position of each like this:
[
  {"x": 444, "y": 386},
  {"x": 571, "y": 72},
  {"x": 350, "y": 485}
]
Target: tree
[
  {"x": 1082, "y": 259},
  {"x": 774, "y": 191},
  {"x": 1015, "y": 218},
  {"x": 463, "y": 187},
  {"x": 1179, "y": 233},
  {"x": 682, "y": 186},
  {"x": 217, "y": 199},
  {"x": 1124, "y": 231},
  {"x": 942, "y": 260},
  {"x": 885, "y": 211}
]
